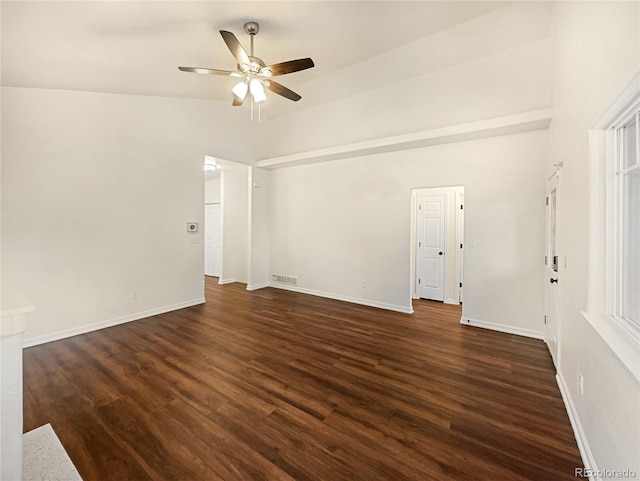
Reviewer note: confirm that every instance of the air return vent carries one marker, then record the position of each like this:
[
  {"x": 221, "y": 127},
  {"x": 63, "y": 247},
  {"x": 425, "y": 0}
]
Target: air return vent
[{"x": 288, "y": 280}]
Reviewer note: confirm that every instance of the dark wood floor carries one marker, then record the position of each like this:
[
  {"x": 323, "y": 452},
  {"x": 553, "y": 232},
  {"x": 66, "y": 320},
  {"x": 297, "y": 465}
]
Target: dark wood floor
[{"x": 274, "y": 385}]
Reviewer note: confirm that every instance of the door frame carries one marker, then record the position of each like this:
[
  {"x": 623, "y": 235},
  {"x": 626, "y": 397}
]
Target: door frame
[
  {"x": 553, "y": 183},
  {"x": 459, "y": 245},
  {"x": 455, "y": 273},
  {"x": 205, "y": 231}
]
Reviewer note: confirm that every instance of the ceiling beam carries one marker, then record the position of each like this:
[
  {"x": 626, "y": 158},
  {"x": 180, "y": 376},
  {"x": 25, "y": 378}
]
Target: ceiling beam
[{"x": 524, "y": 122}]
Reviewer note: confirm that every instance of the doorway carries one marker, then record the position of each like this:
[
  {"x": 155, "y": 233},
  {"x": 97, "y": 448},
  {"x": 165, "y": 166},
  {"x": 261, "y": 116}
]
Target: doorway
[
  {"x": 437, "y": 243},
  {"x": 226, "y": 224}
]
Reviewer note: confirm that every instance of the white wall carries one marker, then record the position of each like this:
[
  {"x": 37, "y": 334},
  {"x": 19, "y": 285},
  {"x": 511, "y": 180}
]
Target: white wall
[
  {"x": 339, "y": 223},
  {"x": 212, "y": 188},
  {"x": 597, "y": 55},
  {"x": 259, "y": 229},
  {"x": 234, "y": 179},
  {"x": 97, "y": 190}
]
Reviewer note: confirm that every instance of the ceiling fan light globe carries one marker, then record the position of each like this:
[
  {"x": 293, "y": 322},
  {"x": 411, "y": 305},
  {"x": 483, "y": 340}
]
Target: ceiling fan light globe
[
  {"x": 240, "y": 90},
  {"x": 257, "y": 90}
]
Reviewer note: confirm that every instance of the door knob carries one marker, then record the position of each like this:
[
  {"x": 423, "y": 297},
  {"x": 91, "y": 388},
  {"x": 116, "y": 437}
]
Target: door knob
[
  {"x": 440, "y": 253},
  {"x": 552, "y": 280}
]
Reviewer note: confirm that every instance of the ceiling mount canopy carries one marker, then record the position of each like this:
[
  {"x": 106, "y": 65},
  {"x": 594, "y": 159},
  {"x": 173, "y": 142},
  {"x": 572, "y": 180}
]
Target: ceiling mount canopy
[
  {"x": 252, "y": 28},
  {"x": 253, "y": 72}
]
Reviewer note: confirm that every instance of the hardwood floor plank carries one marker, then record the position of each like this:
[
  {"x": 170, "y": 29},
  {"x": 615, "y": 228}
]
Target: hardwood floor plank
[
  {"x": 94, "y": 450},
  {"x": 289, "y": 452},
  {"x": 229, "y": 457},
  {"x": 277, "y": 385}
]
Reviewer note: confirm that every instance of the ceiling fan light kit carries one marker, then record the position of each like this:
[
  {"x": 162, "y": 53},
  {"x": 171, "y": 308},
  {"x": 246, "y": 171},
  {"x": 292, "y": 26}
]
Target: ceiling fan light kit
[
  {"x": 240, "y": 90},
  {"x": 257, "y": 90},
  {"x": 254, "y": 72}
]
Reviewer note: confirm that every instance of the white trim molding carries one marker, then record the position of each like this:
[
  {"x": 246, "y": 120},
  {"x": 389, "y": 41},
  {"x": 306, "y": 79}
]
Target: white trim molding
[
  {"x": 56, "y": 336},
  {"x": 340, "y": 297},
  {"x": 493, "y": 326},
  {"x": 231, "y": 280},
  {"x": 581, "y": 439}
]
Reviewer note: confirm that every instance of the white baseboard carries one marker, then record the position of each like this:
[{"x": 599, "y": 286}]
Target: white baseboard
[
  {"x": 255, "y": 287},
  {"x": 503, "y": 328},
  {"x": 231, "y": 280},
  {"x": 583, "y": 445},
  {"x": 452, "y": 302},
  {"x": 340, "y": 297},
  {"x": 56, "y": 336}
]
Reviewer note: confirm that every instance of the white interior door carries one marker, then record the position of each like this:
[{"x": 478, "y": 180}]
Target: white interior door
[
  {"x": 551, "y": 271},
  {"x": 431, "y": 242},
  {"x": 213, "y": 240}
]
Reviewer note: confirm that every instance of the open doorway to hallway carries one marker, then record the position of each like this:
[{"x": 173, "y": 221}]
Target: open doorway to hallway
[
  {"x": 226, "y": 215},
  {"x": 437, "y": 242}
]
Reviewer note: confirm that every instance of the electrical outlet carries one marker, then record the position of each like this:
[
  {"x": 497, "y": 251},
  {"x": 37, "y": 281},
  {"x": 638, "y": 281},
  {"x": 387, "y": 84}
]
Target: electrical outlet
[
  {"x": 581, "y": 383},
  {"x": 135, "y": 296}
]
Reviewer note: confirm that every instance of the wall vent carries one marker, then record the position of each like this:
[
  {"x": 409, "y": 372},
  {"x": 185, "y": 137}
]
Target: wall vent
[{"x": 288, "y": 280}]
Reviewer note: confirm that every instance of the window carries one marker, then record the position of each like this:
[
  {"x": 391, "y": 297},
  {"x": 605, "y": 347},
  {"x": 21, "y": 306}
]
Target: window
[
  {"x": 613, "y": 298},
  {"x": 625, "y": 254}
]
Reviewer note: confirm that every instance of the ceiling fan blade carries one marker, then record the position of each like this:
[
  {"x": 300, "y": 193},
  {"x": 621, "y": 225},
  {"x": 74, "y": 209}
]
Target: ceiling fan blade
[
  {"x": 210, "y": 71},
  {"x": 237, "y": 102},
  {"x": 290, "y": 66},
  {"x": 282, "y": 90},
  {"x": 236, "y": 49}
]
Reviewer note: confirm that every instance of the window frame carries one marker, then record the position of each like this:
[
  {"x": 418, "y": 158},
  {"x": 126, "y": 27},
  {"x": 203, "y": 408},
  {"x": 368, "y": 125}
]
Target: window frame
[
  {"x": 616, "y": 215},
  {"x": 621, "y": 335}
]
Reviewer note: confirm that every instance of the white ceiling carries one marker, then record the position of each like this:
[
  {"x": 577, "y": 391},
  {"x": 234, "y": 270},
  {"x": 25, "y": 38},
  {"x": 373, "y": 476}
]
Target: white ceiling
[{"x": 135, "y": 47}]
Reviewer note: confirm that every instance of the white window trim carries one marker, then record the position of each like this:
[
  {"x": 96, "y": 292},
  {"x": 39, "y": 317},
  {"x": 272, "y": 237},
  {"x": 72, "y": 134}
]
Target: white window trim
[{"x": 621, "y": 336}]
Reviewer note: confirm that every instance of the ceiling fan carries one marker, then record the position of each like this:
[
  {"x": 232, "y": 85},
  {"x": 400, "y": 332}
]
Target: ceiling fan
[{"x": 253, "y": 72}]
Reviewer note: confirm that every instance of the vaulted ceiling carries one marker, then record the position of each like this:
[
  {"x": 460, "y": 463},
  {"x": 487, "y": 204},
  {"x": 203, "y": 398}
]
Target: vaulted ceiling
[{"x": 134, "y": 47}]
